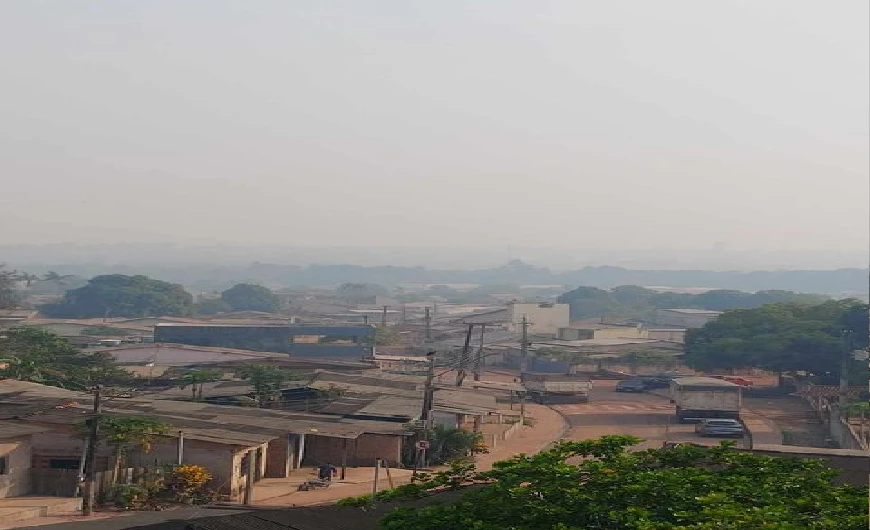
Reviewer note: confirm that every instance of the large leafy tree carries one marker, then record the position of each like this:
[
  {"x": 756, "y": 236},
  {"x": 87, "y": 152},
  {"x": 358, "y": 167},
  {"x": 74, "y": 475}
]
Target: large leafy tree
[
  {"x": 251, "y": 297},
  {"x": 359, "y": 291},
  {"x": 118, "y": 295},
  {"x": 123, "y": 433},
  {"x": 266, "y": 380},
  {"x": 10, "y": 296},
  {"x": 781, "y": 337},
  {"x": 38, "y": 356},
  {"x": 210, "y": 306},
  {"x": 639, "y": 302},
  {"x": 598, "y": 484}
]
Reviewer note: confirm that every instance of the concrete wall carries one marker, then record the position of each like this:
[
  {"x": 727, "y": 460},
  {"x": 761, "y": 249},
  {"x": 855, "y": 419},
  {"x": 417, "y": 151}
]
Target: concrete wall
[
  {"x": 221, "y": 460},
  {"x": 16, "y": 481},
  {"x": 546, "y": 319},
  {"x": 620, "y": 332},
  {"x": 672, "y": 335},
  {"x": 360, "y": 452},
  {"x": 853, "y": 468},
  {"x": 218, "y": 459},
  {"x": 282, "y": 456}
]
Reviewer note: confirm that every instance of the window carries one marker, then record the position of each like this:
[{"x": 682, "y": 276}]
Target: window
[
  {"x": 4, "y": 465},
  {"x": 63, "y": 463}
]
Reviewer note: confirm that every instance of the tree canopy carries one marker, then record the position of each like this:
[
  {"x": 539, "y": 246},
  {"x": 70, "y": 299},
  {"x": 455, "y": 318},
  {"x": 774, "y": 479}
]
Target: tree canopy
[
  {"x": 38, "y": 356},
  {"x": 251, "y": 297},
  {"x": 266, "y": 380},
  {"x": 598, "y": 484},
  {"x": 638, "y": 302},
  {"x": 118, "y": 295},
  {"x": 210, "y": 306},
  {"x": 10, "y": 296},
  {"x": 360, "y": 291},
  {"x": 781, "y": 337}
]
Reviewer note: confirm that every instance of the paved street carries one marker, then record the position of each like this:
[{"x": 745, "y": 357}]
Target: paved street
[{"x": 644, "y": 415}]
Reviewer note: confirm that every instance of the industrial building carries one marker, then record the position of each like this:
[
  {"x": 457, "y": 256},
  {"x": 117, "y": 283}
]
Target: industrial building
[{"x": 346, "y": 342}]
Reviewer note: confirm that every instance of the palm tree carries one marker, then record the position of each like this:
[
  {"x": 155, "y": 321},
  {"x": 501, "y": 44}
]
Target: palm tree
[{"x": 196, "y": 379}]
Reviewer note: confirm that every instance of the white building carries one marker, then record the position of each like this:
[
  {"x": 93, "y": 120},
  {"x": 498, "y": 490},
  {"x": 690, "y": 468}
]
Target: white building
[
  {"x": 543, "y": 318},
  {"x": 685, "y": 318}
]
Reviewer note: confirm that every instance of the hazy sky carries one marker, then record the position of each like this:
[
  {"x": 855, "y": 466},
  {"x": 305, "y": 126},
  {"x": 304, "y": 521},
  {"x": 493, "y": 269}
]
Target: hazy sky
[{"x": 632, "y": 124}]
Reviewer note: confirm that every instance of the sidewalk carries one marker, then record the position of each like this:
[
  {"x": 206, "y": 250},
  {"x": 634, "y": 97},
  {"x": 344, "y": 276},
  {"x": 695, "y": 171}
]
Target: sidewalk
[{"x": 548, "y": 427}]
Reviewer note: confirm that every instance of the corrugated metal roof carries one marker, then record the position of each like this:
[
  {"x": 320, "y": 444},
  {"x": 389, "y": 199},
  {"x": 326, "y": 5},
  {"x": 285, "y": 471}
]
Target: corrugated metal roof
[
  {"x": 221, "y": 424},
  {"x": 12, "y": 429}
]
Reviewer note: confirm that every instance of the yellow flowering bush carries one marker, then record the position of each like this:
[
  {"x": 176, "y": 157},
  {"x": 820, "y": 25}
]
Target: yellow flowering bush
[{"x": 188, "y": 482}]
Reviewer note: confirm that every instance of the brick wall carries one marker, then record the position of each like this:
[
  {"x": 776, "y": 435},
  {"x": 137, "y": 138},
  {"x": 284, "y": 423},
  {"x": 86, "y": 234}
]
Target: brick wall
[{"x": 360, "y": 452}]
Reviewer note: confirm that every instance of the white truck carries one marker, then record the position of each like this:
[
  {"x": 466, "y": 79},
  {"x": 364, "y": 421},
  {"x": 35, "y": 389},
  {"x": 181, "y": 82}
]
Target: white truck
[
  {"x": 699, "y": 398},
  {"x": 553, "y": 389}
]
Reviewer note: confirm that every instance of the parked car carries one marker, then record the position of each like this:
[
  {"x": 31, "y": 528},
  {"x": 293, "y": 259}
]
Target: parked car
[
  {"x": 720, "y": 428},
  {"x": 655, "y": 382},
  {"x": 630, "y": 385}
]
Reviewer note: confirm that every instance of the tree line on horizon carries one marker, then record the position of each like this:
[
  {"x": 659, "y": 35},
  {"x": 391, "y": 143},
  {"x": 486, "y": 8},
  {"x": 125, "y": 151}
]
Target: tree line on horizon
[
  {"x": 516, "y": 272},
  {"x": 632, "y": 301}
]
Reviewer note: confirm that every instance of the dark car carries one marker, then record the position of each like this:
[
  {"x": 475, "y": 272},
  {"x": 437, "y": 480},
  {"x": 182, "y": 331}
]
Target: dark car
[
  {"x": 655, "y": 382},
  {"x": 720, "y": 428},
  {"x": 630, "y": 385}
]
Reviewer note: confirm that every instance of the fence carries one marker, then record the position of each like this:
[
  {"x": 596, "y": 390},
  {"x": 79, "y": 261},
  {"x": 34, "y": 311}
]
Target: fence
[
  {"x": 66, "y": 483},
  {"x": 824, "y": 400}
]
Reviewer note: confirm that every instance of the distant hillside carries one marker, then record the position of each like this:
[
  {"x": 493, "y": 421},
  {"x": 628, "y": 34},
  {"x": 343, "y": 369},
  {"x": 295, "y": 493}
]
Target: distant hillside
[
  {"x": 200, "y": 277},
  {"x": 631, "y": 301}
]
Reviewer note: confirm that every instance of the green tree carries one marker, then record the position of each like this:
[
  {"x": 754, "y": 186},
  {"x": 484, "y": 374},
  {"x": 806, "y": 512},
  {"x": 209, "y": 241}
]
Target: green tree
[
  {"x": 447, "y": 444},
  {"x": 632, "y": 301},
  {"x": 10, "y": 296},
  {"x": 211, "y": 306},
  {"x": 250, "y": 297},
  {"x": 356, "y": 292},
  {"x": 780, "y": 337},
  {"x": 598, "y": 484},
  {"x": 55, "y": 277},
  {"x": 117, "y": 295},
  {"x": 28, "y": 278},
  {"x": 197, "y": 378},
  {"x": 266, "y": 380},
  {"x": 123, "y": 433},
  {"x": 38, "y": 356}
]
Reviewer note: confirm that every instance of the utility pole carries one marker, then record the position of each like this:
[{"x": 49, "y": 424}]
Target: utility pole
[
  {"x": 479, "y": 357},
  {"x": 463, "y": 359},
  {"x": 180, "y": 449},
  {"x": 524, "y": 347},
  {"x": 91, "y": 453},
  {"x": 846, "y": 341},
  {"x": 428, "y": 404},
  {"x": 384, "y": 317},
  {"x": 404, "y": 314},
  {"x": 427, "y": 319},
  {"x": 248, "y": 497}
]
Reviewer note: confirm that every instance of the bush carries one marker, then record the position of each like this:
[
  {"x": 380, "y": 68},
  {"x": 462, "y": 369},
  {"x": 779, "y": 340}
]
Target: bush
[
  {"x": 188, "y": 484},
  {"x": 127, "y": 496},
  {"x": 449, "y": 444}
]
